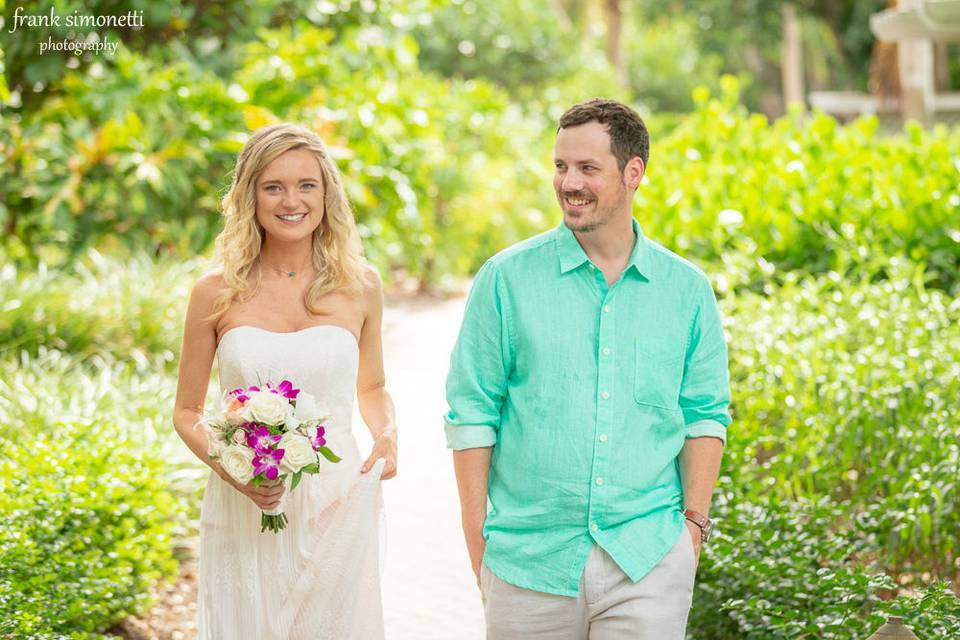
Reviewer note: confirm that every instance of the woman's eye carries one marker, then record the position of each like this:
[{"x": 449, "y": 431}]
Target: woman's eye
[
  {"x": 308, "y": 185},
  {"x": 272, "y": 188}
]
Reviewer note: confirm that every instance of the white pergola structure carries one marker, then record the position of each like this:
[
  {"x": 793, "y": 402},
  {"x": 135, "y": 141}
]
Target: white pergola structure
[{"x": 915, "y": 25}]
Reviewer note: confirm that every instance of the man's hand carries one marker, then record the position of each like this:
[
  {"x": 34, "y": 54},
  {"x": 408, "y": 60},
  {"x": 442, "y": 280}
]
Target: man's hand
[
  {"x": 697, "y": 536},
  {"x": 476, "y": 545}
]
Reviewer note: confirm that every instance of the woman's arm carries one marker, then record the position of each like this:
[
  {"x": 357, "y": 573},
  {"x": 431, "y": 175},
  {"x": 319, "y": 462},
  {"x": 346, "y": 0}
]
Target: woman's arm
[
  {"x": 376, "y": 406},
  {"x": 196, "y": 361}
]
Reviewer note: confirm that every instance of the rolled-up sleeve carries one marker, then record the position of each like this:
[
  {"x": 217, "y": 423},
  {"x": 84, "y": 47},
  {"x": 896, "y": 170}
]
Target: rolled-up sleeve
[
  {"x": 705, "y": 389},
  {"x": 479, "y": 365}
]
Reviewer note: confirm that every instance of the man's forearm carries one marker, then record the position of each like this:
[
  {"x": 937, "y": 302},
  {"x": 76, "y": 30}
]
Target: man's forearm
[
  {"x": 699, "y": 470},
  {"x": 472, "y": 468}
]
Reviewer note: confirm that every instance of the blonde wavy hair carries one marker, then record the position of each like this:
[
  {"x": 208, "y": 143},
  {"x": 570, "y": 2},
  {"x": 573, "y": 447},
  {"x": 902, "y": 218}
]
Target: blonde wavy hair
[{"x": 336, "y": 242}]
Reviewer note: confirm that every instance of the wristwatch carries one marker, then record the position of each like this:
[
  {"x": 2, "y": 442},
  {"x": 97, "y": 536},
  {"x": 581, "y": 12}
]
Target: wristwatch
[{"x": 706, "y": 524}]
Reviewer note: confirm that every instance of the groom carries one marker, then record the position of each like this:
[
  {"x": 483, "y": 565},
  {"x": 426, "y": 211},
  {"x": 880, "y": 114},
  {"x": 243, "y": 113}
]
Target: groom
[{"x": 588, "y": 396}]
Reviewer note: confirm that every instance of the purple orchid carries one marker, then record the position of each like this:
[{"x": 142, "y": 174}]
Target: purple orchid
[
  {"x": 240, "y": 394},
  {"x": 260, "y": 440},
  {"x": 318, "y": 440},
  {"x": 269, "y": 464},
  {"x": 285, "y": 388}
]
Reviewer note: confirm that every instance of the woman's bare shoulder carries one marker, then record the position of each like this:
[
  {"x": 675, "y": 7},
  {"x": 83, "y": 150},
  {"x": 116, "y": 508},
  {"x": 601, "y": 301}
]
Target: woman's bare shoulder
[
  {"x": 207, "y": 288},
  {"x": 371, "y": 277},
  {"x": 372, "y": 289},
  {"x": 371, "y": 282}
]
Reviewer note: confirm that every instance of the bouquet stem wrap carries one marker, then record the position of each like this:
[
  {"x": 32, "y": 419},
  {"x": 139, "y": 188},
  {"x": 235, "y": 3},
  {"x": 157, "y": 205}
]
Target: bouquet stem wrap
[{"x": 274, "y": 519}]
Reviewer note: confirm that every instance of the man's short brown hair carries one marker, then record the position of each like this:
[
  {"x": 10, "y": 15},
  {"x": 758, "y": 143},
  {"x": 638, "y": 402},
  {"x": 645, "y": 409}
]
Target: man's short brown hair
[{"x": 628, "y": 133}]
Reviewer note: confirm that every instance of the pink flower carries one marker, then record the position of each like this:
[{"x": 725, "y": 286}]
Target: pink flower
[
  {"x": 285, "y": 388},
  {"x": 260, "y": 440},
  {"x": 317, "y": 439},
  {"x": 269, "y": 464}
]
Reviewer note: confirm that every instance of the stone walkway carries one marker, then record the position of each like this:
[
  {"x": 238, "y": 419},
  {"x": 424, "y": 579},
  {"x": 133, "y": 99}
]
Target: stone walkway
[{"x": 429, "y": 590}]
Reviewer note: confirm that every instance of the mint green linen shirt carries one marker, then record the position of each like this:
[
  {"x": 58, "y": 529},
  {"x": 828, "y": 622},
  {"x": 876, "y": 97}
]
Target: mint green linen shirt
[{"x": 586, "y": 393}]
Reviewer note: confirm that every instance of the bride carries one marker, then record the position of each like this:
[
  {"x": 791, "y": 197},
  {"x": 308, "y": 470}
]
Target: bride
[{"x": 291, "y": 298}]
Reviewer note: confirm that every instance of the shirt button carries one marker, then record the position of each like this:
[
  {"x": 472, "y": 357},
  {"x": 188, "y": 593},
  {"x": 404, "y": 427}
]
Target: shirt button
[
  {"x": 606, "y": 308},
  {"x": 605, "y": 395},
  {"x": 599, "y": 482},
  {"x": 606, "y": 351},
  {"x": 594, "y": 527},
  {"x": 603, "y": 437}
]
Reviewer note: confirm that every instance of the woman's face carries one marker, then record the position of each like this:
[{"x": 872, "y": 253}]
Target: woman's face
[{"x": 290, "y": 196}]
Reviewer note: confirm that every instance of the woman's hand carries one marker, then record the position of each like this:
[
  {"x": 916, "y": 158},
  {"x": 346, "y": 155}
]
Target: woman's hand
[
  {"x": 266, "y": 496},
  {"x": 384, "y": 446}
]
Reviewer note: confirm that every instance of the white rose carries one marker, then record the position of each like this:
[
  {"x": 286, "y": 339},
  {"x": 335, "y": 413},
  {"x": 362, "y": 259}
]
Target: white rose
[
  {"x": 239, "y": 436},
  {"x": 308, "y": 410},
  {"x": 267, "y": 407},
  {"x": 237, "y": 461},
  {"x": 298, "y": 452}
]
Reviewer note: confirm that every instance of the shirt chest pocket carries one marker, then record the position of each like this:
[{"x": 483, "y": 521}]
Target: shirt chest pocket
[{"x": 659, "y": 371}]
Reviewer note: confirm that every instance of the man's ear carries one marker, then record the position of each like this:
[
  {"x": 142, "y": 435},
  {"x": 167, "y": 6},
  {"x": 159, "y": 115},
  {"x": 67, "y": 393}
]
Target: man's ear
[{"x": 633, "y": 172}]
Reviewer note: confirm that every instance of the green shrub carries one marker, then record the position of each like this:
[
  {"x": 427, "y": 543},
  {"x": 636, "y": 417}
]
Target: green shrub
[
  {"x": 106, "y": 309},
  {"x": 38, "y": 394},
  {"x": 934, "y": 612},
  {"x": 846, "y": 389},
  {"x": 804, "y": 193},
  {"x": 783, "y": 570},
  {"x": 499, "y": 42},
  {"x": 85, "y": 530},
  {"x": 779, "y": 570},
  {"x": 128, "y": 156},
  {"x": 840, "y": 472},
  {"x": 665, "y": 64}
]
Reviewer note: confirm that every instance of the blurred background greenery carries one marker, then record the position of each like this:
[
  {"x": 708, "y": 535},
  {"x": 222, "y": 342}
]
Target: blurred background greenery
[{"x": 834, "y": 249}]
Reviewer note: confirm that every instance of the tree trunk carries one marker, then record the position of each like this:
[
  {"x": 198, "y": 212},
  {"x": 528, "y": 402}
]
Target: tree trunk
[
  {"x": 614, "y": 31},
  {"x": 885, "y": 69},
  {"x": 791, "y": 61},
  {"x": 941, "y": 67}
]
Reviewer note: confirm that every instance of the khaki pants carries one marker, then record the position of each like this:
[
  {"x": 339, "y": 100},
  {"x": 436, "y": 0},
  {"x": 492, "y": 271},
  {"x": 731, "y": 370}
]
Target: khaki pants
[{"x": 610, "y": 606}]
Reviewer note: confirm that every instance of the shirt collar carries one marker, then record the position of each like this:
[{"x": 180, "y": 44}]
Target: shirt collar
[{"x": 571, "y": 254}]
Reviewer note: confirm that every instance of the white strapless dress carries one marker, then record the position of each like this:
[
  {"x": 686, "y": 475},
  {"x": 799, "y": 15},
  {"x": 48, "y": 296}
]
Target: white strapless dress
[{"x": 319, "y": 578}]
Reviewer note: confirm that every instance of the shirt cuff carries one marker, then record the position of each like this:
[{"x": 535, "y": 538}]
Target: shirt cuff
[
  {"x": 469, "y": 436},
  {"x": 708, "y": 428}
]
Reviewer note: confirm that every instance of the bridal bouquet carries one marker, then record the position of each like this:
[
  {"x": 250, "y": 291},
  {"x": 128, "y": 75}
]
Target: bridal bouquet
[{"x": 267, "y": 435}]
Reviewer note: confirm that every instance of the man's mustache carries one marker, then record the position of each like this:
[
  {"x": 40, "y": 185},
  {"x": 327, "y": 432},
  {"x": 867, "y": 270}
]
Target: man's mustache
[{"x": 577, "y": 194}]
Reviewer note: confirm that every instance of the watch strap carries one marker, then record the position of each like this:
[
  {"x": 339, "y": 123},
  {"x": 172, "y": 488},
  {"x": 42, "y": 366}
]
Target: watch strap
[
  {"x": 702, "y": 521},
  {"x": 696, "y": 518}
]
